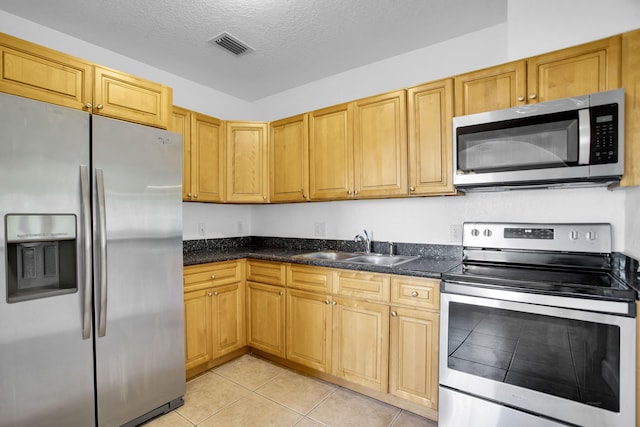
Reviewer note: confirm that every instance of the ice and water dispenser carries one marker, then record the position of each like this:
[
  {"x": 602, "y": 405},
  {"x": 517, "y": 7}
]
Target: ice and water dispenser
[{"x": 41, "y": 256}]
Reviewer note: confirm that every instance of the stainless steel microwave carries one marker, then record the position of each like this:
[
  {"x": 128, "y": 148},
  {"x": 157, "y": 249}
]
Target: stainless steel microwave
[{"x": 569, "y": 142}]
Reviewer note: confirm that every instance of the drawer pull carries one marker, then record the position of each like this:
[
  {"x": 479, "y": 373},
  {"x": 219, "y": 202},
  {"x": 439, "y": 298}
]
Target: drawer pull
[
  {"x": 394, "y": 314},
  {"x": 280, "y": 293},
  {"x": 414, "y": 294},
  {"x": 216, "y": 293},
  {"x": 213, "y": 276}
]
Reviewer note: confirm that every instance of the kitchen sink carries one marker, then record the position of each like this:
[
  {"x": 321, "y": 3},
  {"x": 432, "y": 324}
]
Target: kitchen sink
[
  {"x": 327, "y": 255},
  {"x": 380, "y": 259},
  {"x": 358, "y": 258}
]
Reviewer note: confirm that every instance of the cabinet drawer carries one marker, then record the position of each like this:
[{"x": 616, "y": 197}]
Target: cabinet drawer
[
  {"x": 213, "y": 274},
  {"x": 370, "y": 286},
  {"x": 316, "y": 279},
  {"x": 269, "y": 272},
  {"x": 414, "y": 291}
]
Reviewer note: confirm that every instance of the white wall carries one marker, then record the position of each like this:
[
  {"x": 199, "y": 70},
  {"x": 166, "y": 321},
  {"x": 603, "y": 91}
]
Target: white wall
[
  {"x": 219, "y": 220},
  {"x": 632, "y": 223},
  {"x": 185, "y": 93}
]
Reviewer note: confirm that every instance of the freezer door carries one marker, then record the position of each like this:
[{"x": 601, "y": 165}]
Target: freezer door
[
  {"x": 138, "y": 269},
  {"x": 46, "y": 364}
]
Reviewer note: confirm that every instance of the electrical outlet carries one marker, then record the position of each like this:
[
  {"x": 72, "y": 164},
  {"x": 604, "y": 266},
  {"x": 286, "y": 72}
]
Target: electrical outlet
[
  {"x": 240, "y": 227},
  {"x": 201, "y": 229},
  {"x": 455, "y": 233},
  {"x": 320, "y": 229}
]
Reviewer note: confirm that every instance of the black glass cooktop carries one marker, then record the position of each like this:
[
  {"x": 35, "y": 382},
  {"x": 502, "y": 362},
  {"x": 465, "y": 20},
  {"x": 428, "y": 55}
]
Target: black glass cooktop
[{"x": 562, "y": 281}]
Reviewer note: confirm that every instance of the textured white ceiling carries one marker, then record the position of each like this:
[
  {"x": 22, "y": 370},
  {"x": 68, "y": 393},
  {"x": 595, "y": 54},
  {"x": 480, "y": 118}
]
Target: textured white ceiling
[{"x": 295, "y": 41}]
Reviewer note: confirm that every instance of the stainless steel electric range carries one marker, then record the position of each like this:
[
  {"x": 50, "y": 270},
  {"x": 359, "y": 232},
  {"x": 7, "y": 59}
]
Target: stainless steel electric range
[{"x": 536, "y": 330}]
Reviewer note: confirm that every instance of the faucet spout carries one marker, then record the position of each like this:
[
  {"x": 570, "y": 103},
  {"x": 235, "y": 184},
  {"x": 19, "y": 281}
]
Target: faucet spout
[{"x": 364, "y": 237}]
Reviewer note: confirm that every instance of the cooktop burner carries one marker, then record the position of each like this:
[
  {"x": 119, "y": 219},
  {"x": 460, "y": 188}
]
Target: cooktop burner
[{"x": 560, "y": 259}]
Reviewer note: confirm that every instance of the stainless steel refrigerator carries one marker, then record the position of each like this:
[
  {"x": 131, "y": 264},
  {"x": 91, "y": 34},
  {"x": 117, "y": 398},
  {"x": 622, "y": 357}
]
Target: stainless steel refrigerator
[{"x": 91, "y": 311}]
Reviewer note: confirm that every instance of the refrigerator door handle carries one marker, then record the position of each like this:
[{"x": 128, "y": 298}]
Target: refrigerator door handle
[
  {"x": 102, "y": 241},
  {"x": 85, "y": 195}
]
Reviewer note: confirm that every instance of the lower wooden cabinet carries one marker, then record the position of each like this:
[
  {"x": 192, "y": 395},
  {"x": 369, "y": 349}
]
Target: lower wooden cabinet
[
  {"x": 413, "y": 355},
  {"x": 309, "y": 329},
  {"x": 214, "y": 313},
  {"x": 265, "y": 318},
  {"x": 361, "y": 342}
]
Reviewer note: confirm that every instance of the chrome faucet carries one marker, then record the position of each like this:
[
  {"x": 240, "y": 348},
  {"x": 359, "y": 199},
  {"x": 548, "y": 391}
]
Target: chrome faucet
[{"x": 364, "y": 237}]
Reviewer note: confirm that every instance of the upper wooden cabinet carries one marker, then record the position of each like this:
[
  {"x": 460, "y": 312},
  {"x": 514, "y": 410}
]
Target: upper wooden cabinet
[
  {"x": 429, "y": 113},
  {"x": 359, "y": 149},
  {"x": 247, "y": 176},
  {"x": 331, "y": 153},
  {"x": 126, "y": 97},
  {"x": 36, "y": 72},
  {"x": 631, "y": 83},
  {"x": 579, "y": 70},
  {"x": 493, "y": 88},
  {"x": 203, "y": 155},
  {"x": 380, "y": 145},
  {"x": 289, "y": 159}
]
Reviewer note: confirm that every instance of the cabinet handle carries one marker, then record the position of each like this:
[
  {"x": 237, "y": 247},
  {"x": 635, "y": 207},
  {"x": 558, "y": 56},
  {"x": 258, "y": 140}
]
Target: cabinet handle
[
  {"x": 333, "y": 303},
  {"x": 216, "y": 293},
  {"x": 532, "y": 96},
  {"x": 88, "y": 105},
  {"x": 280, "y": 293},
  {"x": 189, "y": 195},
  {"x": 264, "y": 198},
  {"x": 326, "y": 301},
  {"x": 195, "y": 196},
  {"x": 414, "y": 294},
  {"x": 348, "y": 192},
  {"x": 521, "y": 98},
  {"x": 394, "y": 314},
  {"x": 213, "y": 276},
  {"x": 412, "y": 189},
  {"x": 99, "y": 107},
  {"x": 355, "y": 192},
  {"x": 210, "y": 294}
]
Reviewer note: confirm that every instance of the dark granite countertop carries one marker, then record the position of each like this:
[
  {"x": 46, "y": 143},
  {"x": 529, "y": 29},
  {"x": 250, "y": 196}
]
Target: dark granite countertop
[{"x": 431, "y": 261}]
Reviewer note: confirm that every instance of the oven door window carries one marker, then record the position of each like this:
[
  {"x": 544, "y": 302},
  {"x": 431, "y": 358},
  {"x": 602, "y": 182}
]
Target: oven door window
[
  {"x": 568, "y": 358},
  {"x": 548, "y": 141}
]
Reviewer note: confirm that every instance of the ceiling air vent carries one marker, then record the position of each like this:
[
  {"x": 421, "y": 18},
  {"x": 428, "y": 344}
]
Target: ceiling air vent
[{"x": 231, "y": 44}]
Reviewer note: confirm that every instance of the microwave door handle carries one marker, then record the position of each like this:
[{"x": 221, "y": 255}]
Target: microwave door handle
[{"x": 584, "y": 136}]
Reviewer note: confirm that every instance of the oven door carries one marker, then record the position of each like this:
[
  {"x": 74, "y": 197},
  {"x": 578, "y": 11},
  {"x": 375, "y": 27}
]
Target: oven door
[{"x": 564, "y": 364}]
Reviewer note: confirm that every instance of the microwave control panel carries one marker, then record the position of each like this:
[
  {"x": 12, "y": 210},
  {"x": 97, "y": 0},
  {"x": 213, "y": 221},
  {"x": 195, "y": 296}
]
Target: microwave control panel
[{"x": 604, "y": 134}]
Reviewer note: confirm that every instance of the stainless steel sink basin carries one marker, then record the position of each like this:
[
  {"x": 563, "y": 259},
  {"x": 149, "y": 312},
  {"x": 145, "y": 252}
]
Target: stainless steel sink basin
[
  {"x": 326, "y": 255},
  {"x": 380, "y": 259},
  {"x": 358, "y": 258}
]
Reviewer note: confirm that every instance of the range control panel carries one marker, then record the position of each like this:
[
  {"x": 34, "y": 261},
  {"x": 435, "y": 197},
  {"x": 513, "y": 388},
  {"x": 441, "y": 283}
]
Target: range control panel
[{"x": 580, "y": 237}]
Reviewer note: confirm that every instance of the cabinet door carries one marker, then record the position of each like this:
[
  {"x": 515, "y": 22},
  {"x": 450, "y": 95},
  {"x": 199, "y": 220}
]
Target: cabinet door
[
  {"x": 578, "y": 70},
  {"x": 380, "y": 145},
  {"x": 494, "y": 88},
  {"x": 289, "y": 159},
  {"x": 309, "y": 329},
  {"x": 413, "y": 364},
  {"x": 631, "y": 84},
  {"x": 197, "y": 326},
  {"x": 361, "y": 342},
  {"x": 207, "y": 158},
  {"x": 265, "y": 318},
  {"x": 430, "y": 110},
  {"x": 126, "y": 97},
  {"x": 35, "y": 72},
  {"x": 181, "y": 123},
  {"x": 228, "y": 326},
  {"x": 331, "y": 153},
  {"x": 247, "y": 162}
]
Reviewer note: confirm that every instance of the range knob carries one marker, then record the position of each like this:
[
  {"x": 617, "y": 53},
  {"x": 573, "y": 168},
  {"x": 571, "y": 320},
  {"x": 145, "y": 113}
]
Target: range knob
[
  {"x": 591, "y": 235},
  {"x": 487, "y": 233},
  {"x": 475, "y": 232},
  {"x": 574, "y": 235}
]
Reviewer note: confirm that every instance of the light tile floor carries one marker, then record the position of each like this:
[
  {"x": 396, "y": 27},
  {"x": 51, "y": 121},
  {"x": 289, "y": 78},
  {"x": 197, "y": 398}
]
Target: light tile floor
[{"x": 250, "y": 391}]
